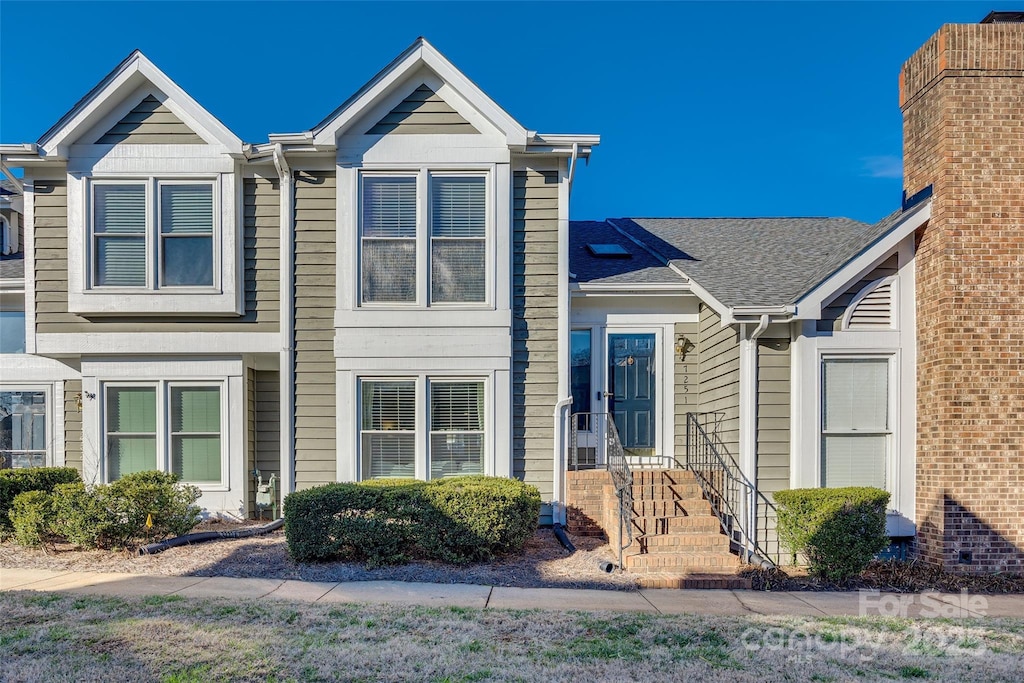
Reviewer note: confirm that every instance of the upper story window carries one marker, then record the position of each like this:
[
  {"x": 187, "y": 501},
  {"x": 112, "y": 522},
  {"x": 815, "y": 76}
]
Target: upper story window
[
  {"x": 152, "y": 234},
  {"x": 423, "y": 238}
]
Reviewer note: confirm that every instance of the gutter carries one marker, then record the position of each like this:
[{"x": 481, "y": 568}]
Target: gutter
[
  {"x": 287, "y": 357},
  {"x": 560, "y": 418}
]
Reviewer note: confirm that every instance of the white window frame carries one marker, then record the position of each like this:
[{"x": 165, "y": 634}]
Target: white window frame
[
  {"x": 163, "y": 425},
  {"x": 422, "y": 383},
  {"x": 890, "y": 433},
  {"x": 54, "y": 450},
  {"x": 424, "y": 275},
  {"x": 85, "y": 296}
]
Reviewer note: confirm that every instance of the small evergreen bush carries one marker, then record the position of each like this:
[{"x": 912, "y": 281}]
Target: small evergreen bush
[
  {"x": 839, "y": 530},
  {"x": 30, "y": 515},
  {"x": 17, "y": 481},
  {"x": 455, "y": 520}
]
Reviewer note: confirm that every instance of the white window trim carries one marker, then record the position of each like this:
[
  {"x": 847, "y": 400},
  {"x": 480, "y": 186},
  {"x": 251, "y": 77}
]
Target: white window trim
[
  {"x": 422, "y": 382},
  {"x": 7, "y": 237},
  {"x": 163, "y": 427},
  {"x": 223, "y": 297},
  {"x": 55, "y": 453},
  {"x": 423, "y": 174}
]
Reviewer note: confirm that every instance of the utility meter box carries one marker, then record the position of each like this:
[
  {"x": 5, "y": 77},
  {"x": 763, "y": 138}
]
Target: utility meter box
[{"x": 264, "y": 495}]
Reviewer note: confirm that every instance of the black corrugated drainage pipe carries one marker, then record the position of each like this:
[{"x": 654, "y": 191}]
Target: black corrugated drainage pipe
[
  {"x": 562, "y": 537},
  {"x": 189, "y": 539}
]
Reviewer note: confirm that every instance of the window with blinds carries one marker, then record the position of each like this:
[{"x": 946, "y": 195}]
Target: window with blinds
[
  {"x": 195, "y": 436},
  {"x": 458, "y": 230},
  {"x": 186, "y": 234},
  {"x": 131, "y": 434},
  {"x": 388, "y": 237},
  {"x": 388, "y": 429},
  {"x": 456, "y": 428},
  {"x": 855, "y": 422},
  {"x": 119, "y": 234},
  {"x": 183, "y": 220},
  {"x": 439, "y": 217}
]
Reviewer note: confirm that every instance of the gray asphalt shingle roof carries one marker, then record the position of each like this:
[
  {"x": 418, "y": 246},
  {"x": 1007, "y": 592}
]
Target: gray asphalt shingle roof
[
  {"x": 641, "y": 267},
  {"x": 756, "y": 261},
  {"x": 12, "y": 267}
]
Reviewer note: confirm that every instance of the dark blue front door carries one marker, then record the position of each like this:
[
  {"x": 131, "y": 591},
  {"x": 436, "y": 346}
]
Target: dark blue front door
[{"x": 631, "y": 390}]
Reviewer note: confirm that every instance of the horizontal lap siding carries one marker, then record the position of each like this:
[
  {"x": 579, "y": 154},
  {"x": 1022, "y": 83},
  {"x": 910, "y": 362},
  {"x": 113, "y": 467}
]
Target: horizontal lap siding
[
  {"x": 261, "y": 244},
  {"x": 422, "y": 112},
  {"x": 535, "y": 326},
  {"x": 719, "y": 376},
  {"x": 687, "y": 383},
  {"x": 773, "y": 414},
  {"x": 150, "y": 122},
  {"x": 315, "y": 412},
  {"x": 72, "y": 424}
]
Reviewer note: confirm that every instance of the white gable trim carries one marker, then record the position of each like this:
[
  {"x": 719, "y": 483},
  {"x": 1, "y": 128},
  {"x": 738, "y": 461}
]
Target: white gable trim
[
  {"x": 809, "y": 307},
  {"x": 131, "y": 76},
  {"x": 417, "y": 55}
]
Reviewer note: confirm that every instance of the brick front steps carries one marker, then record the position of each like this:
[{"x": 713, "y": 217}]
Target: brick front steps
[{"x": 677, "y": 539}]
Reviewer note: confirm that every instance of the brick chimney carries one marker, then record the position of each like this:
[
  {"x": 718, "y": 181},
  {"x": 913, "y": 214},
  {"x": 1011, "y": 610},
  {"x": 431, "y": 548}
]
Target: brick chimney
[{"x": 962, "y": 96}]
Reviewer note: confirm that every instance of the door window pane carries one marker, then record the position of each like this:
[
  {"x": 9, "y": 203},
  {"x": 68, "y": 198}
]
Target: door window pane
[
  {"x": 22, "y": 429},
  {"x": 580, "y": 363}
]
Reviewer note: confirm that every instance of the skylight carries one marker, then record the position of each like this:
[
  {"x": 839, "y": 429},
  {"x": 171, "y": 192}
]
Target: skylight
[{"x": 609, "y": 250}]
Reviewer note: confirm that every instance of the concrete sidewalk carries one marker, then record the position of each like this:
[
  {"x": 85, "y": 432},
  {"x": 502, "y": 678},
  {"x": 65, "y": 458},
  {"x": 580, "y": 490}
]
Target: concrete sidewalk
[{"x": 655, "y": 601}]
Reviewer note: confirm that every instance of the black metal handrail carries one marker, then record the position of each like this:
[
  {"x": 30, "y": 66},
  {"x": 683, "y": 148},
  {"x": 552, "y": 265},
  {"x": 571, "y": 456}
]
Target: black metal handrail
[
  {"x": 604, "y": 436},
  {"x": 746, "y": 515}
]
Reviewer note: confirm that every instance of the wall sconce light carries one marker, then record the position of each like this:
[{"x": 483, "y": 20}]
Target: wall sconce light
[{"x": 682, "y": 347}]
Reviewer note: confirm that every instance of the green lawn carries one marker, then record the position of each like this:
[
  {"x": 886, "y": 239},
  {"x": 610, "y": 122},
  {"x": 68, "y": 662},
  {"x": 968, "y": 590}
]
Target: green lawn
[{"x": 55, "y": 637}]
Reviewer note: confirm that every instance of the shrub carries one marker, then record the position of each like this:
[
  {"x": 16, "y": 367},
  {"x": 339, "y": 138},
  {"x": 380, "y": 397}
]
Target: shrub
[
  {"x": 455, "y": 520},
  {"x": 17, "y": 481},
  {"x": 838, "y": 530},
  {"x": 30, "y": 517},
  {"x": 114, "y": 515}
]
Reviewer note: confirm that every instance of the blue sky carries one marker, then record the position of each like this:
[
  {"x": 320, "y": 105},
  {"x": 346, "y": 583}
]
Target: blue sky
[{"x": 705, "y": 109}]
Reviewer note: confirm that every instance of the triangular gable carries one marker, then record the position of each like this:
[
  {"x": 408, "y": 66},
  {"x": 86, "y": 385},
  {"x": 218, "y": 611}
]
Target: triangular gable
[
  {"x": 420, "y": 54},
  {"x": 423, "y": 111},
  {"x": 150, "y": 121},
  {"x": 135, "y": 75}
]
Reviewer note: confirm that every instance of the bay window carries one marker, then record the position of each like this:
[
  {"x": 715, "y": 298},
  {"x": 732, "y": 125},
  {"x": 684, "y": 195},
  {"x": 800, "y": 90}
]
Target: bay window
[
  {"x": 423, "y": 238},
  {"x": 856, "y": 425}
]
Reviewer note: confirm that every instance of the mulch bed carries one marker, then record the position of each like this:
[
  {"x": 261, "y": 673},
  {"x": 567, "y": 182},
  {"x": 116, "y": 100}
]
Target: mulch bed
[{"x": 892, "y": 576}]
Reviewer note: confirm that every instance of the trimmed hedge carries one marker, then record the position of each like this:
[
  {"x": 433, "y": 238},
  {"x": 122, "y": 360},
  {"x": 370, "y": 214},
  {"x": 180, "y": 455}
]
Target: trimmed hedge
[
  {"x": 456, "y": 520},
  {"x": 838, "y": 530},
  {"x": 17, "y": 481}
]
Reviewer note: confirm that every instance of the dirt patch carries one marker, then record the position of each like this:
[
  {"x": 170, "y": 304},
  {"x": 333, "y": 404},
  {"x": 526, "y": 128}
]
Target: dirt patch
[
  {"x": 543, "y": 563},
  {"x": 896, "y": 577}
]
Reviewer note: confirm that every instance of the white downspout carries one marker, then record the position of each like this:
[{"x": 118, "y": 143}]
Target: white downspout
[
  {"x": 748, "y": 416},
  {"x": 287, "y": 358},
  {"x": 560, "y": 418}
]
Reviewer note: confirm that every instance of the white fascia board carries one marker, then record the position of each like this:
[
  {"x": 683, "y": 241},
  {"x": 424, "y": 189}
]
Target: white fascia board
[
  {"x": 131, "y": 74},
  {"x": 419, "y": 53},
  {"x": 19, "y": 149},
  {"x": 810, "y": 305}
]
